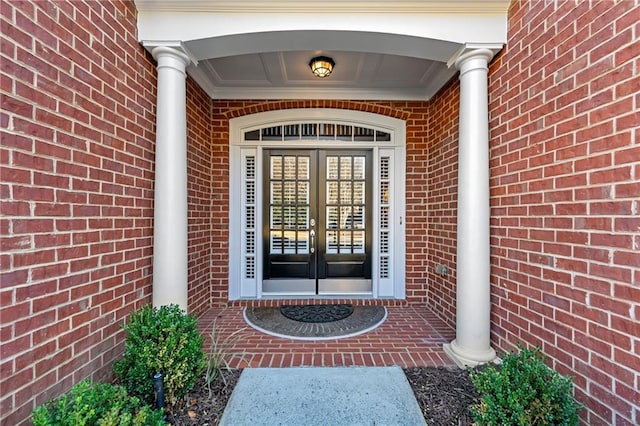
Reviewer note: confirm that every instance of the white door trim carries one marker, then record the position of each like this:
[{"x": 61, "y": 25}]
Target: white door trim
[{"x": 245, "y": 195}]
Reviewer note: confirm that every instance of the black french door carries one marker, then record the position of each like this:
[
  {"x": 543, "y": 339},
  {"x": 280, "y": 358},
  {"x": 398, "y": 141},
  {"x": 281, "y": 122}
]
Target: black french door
[{"x": 317, "y": 229}]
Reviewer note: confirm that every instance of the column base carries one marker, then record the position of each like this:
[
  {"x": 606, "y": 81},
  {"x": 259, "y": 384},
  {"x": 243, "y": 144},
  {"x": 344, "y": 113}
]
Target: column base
[{"x": 465, "y": 358}]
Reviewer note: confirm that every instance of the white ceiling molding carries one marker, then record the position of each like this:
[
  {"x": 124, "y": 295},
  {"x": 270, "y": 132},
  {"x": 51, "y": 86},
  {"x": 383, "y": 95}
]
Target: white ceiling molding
[
  {"x": 261, "y": 49},
  {"x": 452, "y": 28},
  {"x": 324, "y": 40},
  {"x": 326, "y": 6},
  {"x": 319, "y": 94}
]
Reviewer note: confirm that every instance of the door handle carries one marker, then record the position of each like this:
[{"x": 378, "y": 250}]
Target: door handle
[{"x": 312, "y": 233}]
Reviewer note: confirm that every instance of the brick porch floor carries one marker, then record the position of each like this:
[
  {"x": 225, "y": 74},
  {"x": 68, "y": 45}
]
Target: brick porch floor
[{"x": 411, "y": 336}]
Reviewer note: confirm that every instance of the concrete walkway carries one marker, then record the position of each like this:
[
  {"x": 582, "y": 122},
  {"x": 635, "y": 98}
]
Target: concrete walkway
[{"x": 322, "y": 396}]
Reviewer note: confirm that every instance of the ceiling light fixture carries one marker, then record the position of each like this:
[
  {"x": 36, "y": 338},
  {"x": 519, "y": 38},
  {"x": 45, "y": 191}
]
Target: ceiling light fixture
[{"x": 321, "y": 66}]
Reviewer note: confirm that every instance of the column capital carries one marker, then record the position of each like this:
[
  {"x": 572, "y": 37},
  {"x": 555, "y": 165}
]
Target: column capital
[
  {"x": 171, "y": 57},
  {"x": 473, "y": 59}
]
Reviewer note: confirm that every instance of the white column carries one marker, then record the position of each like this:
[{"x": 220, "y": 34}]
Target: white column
[
  {"x": 472, "y": 345},
  {"x": 170, "y": 195}
]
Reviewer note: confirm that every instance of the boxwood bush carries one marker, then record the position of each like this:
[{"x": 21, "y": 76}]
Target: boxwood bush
[
  {"x": 161, "y": 340},
  {"x": 102, "y": 404},
  {"x": 524, "y": 391}
]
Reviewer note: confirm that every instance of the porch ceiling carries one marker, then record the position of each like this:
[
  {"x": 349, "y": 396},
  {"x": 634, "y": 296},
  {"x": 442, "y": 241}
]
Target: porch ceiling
[{"x": 246, "y": 49}]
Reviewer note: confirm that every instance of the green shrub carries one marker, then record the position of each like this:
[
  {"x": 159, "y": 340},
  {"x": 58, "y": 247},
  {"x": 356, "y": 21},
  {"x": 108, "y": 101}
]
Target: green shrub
[
  {"x": 161, "y": 340},
  {"x": 101, "y": 404},
  {"x": 524, "y": 391}
]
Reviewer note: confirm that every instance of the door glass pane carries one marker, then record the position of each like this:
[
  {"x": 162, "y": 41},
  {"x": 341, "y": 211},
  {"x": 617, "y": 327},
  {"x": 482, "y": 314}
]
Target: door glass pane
[
  {"x": 289, "y": 242},
  {"x": 345, "y": 192},
  {"x": 345, "y": 167},
  {"x": 303, "y": 242},
  {"x": 332, "y": 217},
  {"x": 345, "y": 188},
  {"x": 358, "y": 168},
  {"x": 332, "y": 242},
  {"x": 363, "y": 134},
  {"x": 289, "y": 192},
  {"x": 289, "y": 204},
  {"x": 358, "y": 217},
  {"x": 303, "y": 217},
  {"x": 358, "y": 242},
  {"x": 382, "y": 136},
  {"x": 332, "y": 168},
  {"x": 276, "y": 192},
  {"x": 290, "y": 217},
  {"x": 276, "y": 242},
  {"x": 345, "y": 242},
  {"x": 276, "y": 216},
  {"x": 303, "y": 168},
  {"x": 253, "y": 135},
  {"x": 332, "y": 192},
  {"x": 358, "y": 192},
  {"x": 290, "y": 167},
  {"x": 345, "y": 217},
  {"x": 303, "y": 192},
  {"x": 276, "y": 167}
]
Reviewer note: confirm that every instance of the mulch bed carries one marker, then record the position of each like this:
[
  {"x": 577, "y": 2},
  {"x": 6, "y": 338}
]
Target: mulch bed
[
  {"x": 200, "y": 409},
  {"x": 443, "y": 395}
]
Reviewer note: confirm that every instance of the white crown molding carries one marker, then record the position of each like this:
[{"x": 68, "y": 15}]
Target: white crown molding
[{"x": 326, "y": 6}]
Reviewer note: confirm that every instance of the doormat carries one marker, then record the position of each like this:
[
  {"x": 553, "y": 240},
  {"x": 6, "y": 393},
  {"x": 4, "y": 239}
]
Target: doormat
[
  {"x": 316, "y": 313},
  {"x": 272, "y": 321}
]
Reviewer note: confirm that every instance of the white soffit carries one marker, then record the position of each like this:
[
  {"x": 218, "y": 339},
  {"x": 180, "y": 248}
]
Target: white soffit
[{"x": 245, "y": 49}]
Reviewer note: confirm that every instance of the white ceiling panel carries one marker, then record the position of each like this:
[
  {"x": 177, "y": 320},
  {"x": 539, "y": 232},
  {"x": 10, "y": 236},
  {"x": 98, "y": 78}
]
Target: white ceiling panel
[{"x": 239, "y": 69}]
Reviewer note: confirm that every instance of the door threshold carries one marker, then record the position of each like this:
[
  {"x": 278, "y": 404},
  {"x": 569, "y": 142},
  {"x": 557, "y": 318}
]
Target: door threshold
[{"x": 286, "y": 296}]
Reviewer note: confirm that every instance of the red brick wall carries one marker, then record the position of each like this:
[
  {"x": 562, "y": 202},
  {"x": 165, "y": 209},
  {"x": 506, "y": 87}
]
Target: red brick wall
[
  {"x": 202, "y": 172},
  {"x": 220, "y": 204},
  {"x": 442, "y": 183},
  {"x": 416, "y": 116},
  {"x": 78, "y": 99},
  {"x": 565, "y": 168},
  {"x": 77, "y": 168}
]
